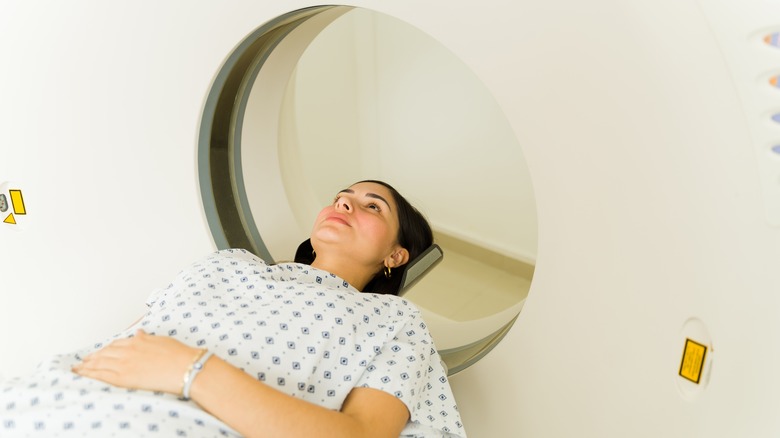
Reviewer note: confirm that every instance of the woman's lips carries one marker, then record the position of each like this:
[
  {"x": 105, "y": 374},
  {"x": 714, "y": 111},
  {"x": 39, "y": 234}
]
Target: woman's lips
[{"x": 337, "y": 219}]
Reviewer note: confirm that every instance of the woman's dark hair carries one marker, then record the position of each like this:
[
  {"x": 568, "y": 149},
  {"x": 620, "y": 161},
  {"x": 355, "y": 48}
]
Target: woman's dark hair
[{"x": 414, "y": 234}]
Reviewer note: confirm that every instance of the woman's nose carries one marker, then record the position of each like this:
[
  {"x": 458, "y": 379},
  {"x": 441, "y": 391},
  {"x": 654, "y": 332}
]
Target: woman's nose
[{"x": 343, "y": 204}]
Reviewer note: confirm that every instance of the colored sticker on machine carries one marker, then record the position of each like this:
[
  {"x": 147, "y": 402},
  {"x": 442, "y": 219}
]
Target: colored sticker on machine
[
  {"x": 11, "y": 204},
  {"x": 773, "y": 39},
  {"x": 17, "y": 201},
  {"x": 693, "y": 360}
]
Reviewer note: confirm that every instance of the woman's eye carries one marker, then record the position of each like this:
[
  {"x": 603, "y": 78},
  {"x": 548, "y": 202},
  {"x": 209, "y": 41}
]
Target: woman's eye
[{"x": 374, "y": 207}]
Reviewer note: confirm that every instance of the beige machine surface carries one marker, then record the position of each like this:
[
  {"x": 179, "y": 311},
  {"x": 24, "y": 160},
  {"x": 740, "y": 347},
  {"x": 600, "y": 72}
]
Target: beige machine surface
[{"x": 628, "y": 161}]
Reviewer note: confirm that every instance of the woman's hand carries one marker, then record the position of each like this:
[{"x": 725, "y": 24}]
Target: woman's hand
[{"x": 154, "y": 363}]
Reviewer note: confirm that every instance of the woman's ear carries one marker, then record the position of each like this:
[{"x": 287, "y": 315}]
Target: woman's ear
[{"x": 399, "y": 257}]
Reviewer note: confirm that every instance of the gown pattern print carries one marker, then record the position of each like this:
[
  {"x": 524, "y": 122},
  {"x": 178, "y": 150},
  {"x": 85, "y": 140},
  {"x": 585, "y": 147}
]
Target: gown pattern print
[{"x": 301, "y": 330}]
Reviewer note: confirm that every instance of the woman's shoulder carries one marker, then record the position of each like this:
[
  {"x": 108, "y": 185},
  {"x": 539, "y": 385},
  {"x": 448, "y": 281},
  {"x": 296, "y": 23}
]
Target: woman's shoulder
[
  {"x": 400, "y": 307},
  {"x": 234, "y": 254},
  {"x": 226, "y": 259}
]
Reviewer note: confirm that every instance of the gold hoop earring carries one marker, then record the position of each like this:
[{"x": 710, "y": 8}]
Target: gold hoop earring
[{"x": 388, "y": 272}]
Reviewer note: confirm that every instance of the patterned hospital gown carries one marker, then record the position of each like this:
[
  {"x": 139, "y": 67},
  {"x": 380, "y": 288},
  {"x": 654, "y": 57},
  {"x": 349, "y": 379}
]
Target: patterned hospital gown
[{"x": 301, "y": 330}]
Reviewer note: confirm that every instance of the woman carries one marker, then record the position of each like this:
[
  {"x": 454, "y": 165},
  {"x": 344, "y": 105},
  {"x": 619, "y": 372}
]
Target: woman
[{"x": 237, "y": 347}]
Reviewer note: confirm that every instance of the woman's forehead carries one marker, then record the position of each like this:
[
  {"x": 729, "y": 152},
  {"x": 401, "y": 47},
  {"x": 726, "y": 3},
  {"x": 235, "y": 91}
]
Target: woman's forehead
[{"x": 370, "y": 187}]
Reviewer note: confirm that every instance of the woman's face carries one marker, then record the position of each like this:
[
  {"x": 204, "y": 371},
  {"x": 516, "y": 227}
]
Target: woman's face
[{"x": 362, "y": 222}]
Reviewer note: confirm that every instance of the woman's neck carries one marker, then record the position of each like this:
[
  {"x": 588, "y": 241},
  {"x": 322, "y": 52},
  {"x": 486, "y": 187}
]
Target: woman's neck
[{"x": 350, "y": 271}]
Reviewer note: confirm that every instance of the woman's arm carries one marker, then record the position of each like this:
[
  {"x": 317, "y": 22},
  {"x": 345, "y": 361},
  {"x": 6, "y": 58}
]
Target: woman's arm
[
  {"x": 255, "y": 409},
  {"x": 247, "y": 405}
]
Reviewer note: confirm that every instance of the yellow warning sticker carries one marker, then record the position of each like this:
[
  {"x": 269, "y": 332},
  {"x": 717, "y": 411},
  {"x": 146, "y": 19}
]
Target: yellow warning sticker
[
  {"x": 693, "y": 360},
  {"x": 17, "y": 201},
  {"x": 12, "y": 208}
]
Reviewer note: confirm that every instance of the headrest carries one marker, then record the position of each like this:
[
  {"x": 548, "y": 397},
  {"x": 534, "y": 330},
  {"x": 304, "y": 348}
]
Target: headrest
[{"x": 420, "y": 266}]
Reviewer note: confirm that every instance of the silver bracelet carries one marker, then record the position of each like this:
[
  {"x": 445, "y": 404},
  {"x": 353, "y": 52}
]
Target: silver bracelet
[{"x": 192, "y": 371}]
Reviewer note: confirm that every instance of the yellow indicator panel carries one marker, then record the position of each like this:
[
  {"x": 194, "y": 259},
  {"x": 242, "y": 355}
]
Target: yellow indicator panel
[
  {"x": 17, "y": 201},
  {"x": 693, "y": 360}
]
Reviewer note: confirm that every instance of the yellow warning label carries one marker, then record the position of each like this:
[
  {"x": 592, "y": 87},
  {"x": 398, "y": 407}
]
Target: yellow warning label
[
  {"x": 693, "y": 360},
  {"x": 17, "y": 201},
  {"x": 10, "y": 219}
]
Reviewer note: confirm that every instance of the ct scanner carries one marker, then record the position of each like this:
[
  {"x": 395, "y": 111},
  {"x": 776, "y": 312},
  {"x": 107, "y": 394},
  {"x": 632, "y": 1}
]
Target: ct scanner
[{"x": 640, "y": 139}]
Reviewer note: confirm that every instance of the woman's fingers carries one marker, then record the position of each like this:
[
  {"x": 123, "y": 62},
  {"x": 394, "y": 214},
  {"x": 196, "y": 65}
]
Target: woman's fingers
[
  {"x": 117, "y": 348},
  {"x": 108, "y": 376},
  {"x": 142, "y": 361},
  {"x": 99, "y": 367}
]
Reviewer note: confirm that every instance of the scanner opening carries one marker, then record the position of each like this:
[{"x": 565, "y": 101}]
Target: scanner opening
[{"x": 342, "y": 86}]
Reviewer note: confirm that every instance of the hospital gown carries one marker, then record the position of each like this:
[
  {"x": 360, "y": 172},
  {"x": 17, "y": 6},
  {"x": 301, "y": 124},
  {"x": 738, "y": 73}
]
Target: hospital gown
[{"x": 300, "y": 330}]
